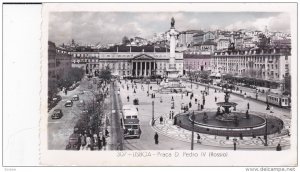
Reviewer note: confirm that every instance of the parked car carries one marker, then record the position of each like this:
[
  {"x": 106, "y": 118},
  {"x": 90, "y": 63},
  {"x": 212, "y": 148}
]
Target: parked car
[
  {"x": 75, "y": 97},
  {"x": 57, "y": 114},
  {"x": 69, "y": 103}
]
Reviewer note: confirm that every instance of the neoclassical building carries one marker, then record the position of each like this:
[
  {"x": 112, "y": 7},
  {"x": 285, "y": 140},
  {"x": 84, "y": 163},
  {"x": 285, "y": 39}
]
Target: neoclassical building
[
  {"x": 271, "y": 64},
  {"x": 139, "y": 63}
]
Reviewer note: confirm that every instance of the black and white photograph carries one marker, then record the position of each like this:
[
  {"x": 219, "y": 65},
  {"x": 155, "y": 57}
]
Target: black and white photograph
[
  {"x": 149, "y": 84},
  {"x": 166, "y": 81}
]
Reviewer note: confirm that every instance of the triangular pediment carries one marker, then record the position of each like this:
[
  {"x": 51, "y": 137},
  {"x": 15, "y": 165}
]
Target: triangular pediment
[{"x": 143, "y": 57}]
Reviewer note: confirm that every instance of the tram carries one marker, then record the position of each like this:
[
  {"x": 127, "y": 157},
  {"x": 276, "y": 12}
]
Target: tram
[{"x": 278, "y": 100}]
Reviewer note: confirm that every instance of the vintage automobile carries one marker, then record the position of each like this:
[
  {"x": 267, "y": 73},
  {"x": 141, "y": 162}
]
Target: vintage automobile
[
  {"x": 57, "y": 114},
  {"x": 69, "y": 103}
]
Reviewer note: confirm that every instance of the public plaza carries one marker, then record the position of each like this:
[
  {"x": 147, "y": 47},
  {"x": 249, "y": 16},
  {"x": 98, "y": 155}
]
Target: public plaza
[{"x": 174, "y": 137}]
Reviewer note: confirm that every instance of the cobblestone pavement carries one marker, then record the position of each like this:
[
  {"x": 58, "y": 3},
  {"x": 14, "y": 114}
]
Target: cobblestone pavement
[{"x": 180, "y": 138}]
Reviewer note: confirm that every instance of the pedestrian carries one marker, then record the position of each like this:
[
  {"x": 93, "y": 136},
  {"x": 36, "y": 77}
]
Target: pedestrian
[
  {"x": 196, "y": 100},
  {"x": 106, "y": 133},
  {"x": 172, "y": 98},
  {"x": 215, "y": 90},
  {"x": 203, "y": 102},
  {"x": 161, "y": 119},
  {"x": 271, "y": 109},
  {"x": 175, "y": 120},
  {"x": 198, "y": 138},
  {"x": 103, "y": 141},
  {"x": 234, "y": 146},
  {"x": 127, "y": 98},
  {"x": 83, "y": 140},
  {"x": 248, "y": 105},
  {"x": 190, "y": 104},
  {"x": 215, "y": 99},
  {"x": 278, "y": 147},
  {"x": 88, "y": 141},
  {"x": 156, "y": 138},
  {"x": 172, "y": 114}
]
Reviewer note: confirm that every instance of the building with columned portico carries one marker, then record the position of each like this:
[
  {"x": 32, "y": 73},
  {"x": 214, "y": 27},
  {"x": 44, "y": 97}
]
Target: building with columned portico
[{"x": 142, "y": 61}]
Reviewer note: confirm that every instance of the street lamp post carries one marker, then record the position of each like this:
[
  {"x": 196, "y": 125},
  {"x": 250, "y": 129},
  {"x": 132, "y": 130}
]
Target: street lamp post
[
  {"x": 152, "y": 112},
  {"x": 266, "y": 133},
  {"x": 193, "y": 125}
]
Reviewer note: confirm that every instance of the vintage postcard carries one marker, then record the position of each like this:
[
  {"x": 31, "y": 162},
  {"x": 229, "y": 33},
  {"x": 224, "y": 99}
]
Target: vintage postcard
[{"x": 169, "y": 84}]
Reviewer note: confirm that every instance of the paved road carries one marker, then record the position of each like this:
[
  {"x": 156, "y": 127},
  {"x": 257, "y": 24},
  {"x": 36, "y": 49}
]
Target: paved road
[
  {"x": 115, "y": 123},
  {"x": 59, "y": 130}
]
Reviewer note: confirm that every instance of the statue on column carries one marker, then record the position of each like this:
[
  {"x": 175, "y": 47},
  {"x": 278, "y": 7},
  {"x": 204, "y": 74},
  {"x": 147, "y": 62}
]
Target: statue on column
[{"x": 172, "y": 22}]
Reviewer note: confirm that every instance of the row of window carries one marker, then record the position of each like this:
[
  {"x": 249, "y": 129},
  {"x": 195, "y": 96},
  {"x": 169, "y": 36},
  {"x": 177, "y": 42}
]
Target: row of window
[{"x": 78, "y": 55}]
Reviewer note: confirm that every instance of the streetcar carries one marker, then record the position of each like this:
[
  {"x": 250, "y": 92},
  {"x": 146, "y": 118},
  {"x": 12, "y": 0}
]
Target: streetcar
[
  {"x": 278, "y": 100},
  {"x": 130, "y": 122}
]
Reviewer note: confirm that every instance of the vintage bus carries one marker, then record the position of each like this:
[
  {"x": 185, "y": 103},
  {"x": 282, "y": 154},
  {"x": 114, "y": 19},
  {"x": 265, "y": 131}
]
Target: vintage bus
[
  {"x": 130, "y": 122},
  {"x": 130, "y": 112}
]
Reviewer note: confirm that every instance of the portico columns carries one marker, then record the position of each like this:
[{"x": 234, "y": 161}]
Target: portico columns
[
  {"x": 150, "y": 68},
  {"x": 141, "y": 66},
  {"x": 145, "y": 66}
]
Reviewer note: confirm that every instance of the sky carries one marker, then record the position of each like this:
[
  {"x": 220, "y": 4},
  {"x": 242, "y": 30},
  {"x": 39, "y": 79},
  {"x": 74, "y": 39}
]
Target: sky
[{"x": 111, "y": 27}]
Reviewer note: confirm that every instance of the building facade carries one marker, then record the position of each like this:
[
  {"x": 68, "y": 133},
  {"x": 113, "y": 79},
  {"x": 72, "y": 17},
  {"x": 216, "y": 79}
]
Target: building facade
[
  {"x": 59, "y": 62},
  {"x": 267, "y": 64},
  {"x": 51, "y": 61},
  {"x": 197, "y": 62},
  {"x": 137, "y": 64}
]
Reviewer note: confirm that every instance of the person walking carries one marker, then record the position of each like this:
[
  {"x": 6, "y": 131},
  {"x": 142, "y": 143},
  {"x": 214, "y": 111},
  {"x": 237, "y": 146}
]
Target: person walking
[
  {"x": 172, "y": 115},
  {"x": 248, "y": 105},
  {"x": 215, "y": 99},
  {"x": 156, "y": 138},
  {"x": 198, "y": 138},
  {"x": 271, "y": 109},
  {"x": 161, "y": 119}
]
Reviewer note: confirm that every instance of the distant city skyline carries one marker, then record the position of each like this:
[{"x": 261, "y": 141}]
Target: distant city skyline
[{"x": 110, "y": 27}]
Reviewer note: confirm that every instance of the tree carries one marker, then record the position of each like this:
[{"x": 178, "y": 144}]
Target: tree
[
  {"x": 52, "y": 88},
  {"x": 73, "y": 75},
  {"x": 125, "y": 40},
  {"x": 287, "y": 85},
  {"x": 105, "y": 74}
]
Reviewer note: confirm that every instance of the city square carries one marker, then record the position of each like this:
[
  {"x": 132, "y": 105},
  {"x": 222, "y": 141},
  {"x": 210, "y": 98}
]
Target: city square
[{"x": 154, "y": 97}]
